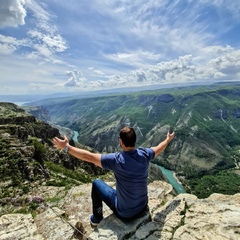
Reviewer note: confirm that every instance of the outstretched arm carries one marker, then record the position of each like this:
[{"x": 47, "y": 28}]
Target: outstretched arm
[
  {"x": 162, "y": 145},
  {"x": 77, "y": 152}
]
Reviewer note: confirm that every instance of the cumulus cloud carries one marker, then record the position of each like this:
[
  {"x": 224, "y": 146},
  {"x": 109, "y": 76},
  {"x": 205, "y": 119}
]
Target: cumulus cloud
[
  {"x": 43, "y": 41},
  {"x": 138, "y": 76},
  {"x": 75, "y": 78},
  {"x": 228, "y": 64},
  {"x": 128, "y": 43},
  {"x": 12, "y": 13},
  {"x": 183, "y": 69}
]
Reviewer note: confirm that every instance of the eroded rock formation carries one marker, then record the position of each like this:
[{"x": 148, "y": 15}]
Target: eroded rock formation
[{"x": 169, "y": 217}]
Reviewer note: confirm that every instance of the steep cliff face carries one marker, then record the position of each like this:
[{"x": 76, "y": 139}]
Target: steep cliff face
[
  {"x": 27, "y": 157},
  {"x": 39, "y": 112},
  {"x": 169, "y": 217},
  {"x": 24, "y": 141}
]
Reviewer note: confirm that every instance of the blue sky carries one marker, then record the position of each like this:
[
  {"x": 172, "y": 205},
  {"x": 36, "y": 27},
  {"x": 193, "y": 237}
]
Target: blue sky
[{"x": 51, "y": 46}]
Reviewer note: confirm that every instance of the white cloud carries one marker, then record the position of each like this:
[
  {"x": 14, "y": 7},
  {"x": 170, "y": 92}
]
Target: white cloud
[
  {"x": 12, "y": 13},
  {"x": 46, "y": 44},
  {"x": 7, "y": 49},
  {"x": 126, "y": 43},
  {"x": 45, "y": 36},
  {"x": 184, "y": 69},
  {"x": 228, "y": 64},
  {"x": 136, "y": 59},
  {"x": 75, "y": 78},
  {"x": 96, "y": 73},
  {"x": 8, "y": 40},
  {"x": 43, "y": 41},
  {"x": 219, "y": 75},
  {"x": 99, "y": 73},
  {"x": 51, "y": 40},
  {"x": 10, "y": 44},
  {"x": 43, "y": 50},
  {"x": 138, "y": 76},
  {"x": 42, "y": 16},
  {"x": 220, "y": 64}
]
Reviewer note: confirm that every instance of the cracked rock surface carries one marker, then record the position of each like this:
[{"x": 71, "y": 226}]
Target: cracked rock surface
[{"x": 169, "y": 217}]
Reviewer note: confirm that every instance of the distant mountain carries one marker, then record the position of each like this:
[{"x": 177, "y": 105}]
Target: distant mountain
[
  {"x": 206, "y": 120},
  {"x": 36, "y": 99}
]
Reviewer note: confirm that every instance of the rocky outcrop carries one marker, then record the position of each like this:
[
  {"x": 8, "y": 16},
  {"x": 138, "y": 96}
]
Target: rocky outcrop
[
  {"x": 18, "y": 123},
  {"x": 169, "y": 217},
  {"x": 18, "y": 226},
  {"x": 25, "y": 143},
  {"x": 211, "y": 218}
]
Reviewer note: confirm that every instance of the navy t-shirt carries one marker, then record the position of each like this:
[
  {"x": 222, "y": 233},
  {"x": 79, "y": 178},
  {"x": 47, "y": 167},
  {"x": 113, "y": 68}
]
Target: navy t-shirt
[{"x": 131, "y": 171}]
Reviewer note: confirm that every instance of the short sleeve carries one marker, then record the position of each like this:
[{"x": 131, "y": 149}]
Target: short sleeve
[
  {"x": 108, "y": 161},
  {"x": 148, "y": 153}
]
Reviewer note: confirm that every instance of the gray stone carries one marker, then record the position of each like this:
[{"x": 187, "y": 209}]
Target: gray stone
[
  {"x": 169, "y": 217},
  {"x": 18, "y": 227}
]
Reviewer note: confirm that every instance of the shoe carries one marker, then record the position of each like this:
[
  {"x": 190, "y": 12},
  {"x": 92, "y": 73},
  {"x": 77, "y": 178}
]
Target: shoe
[{"x": 94, "y": 221}]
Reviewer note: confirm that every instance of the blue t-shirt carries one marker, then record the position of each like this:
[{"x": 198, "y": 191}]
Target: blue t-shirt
[{"x": 131, "y": 171}]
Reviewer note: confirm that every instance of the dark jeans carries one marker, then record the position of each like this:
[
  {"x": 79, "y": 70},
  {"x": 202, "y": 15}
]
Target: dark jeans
[{"x": 101, "y": 192}]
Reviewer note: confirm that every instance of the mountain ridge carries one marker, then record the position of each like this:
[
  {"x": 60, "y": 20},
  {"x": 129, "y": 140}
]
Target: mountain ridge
[
  {"x": 45, "y": 192},
  {"x": 146, "y": 111},
  {"x": 205, "y": 119}
]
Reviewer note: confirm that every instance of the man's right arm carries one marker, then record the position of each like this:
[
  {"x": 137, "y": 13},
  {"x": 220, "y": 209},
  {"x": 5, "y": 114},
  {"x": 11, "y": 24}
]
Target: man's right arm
[
  {"x": 85, "y": 155},
  {"x": 162, "y": 145},
  {"x": 82, "y": 154}
]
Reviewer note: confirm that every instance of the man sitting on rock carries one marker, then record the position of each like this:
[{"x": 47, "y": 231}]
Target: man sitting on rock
[{"x": 130, "y": 168}]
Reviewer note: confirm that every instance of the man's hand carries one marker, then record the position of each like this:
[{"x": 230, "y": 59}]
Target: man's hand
[
  {"x": 81, "y": 154},
  {"x": 162, "y": 145},
  {"x": 170, "y": 136},
  {"x": 59, "y": 143}
]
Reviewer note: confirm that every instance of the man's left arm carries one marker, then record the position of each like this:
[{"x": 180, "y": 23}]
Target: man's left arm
[{"x": 162, "y": 145}]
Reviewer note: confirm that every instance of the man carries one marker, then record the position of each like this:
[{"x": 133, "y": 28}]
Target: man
[{"x": 130, "y": 168}]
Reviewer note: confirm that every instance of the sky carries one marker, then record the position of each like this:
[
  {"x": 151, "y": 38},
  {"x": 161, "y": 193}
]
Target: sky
[{"x": 51, "y": 46}]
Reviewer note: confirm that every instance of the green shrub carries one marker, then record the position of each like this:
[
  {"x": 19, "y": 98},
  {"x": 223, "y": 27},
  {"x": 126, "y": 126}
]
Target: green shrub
[
  {"x": 40, "y": 151},
  {"x": 225, "y": 182}
]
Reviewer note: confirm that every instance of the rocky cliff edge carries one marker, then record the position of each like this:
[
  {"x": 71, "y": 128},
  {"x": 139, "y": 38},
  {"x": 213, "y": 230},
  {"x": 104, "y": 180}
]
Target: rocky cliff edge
[{"x": 169, "y": 217}]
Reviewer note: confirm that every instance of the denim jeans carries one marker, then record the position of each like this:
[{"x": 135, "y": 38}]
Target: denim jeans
[{"x": 101, "y": 192}]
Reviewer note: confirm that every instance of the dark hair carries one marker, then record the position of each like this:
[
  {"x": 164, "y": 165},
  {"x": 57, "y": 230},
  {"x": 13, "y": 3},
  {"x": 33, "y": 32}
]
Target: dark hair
[{"x": 128, "y": 136}]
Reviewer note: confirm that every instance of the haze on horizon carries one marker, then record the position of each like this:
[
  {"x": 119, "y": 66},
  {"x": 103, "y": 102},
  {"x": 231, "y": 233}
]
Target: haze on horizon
[{"x": 52, "y": 46}]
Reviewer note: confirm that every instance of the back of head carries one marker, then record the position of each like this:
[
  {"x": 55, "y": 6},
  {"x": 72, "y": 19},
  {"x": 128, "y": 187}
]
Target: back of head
[{"x": 128, "y": 136}]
